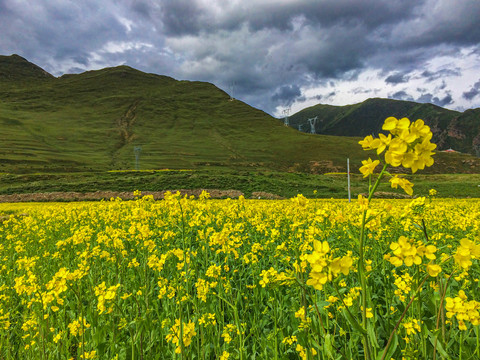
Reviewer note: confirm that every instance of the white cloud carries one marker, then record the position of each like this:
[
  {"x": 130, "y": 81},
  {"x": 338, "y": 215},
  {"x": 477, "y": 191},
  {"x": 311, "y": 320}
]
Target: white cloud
[
  {"x": 129, "y": 24},
  {"x": 123, "y": 46}
]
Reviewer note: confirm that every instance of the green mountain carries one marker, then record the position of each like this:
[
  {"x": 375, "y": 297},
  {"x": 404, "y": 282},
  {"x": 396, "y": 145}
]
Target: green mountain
[
  {"x": 451, "y": 129},
  {"x": 16, "y": 69},
  {"x": 93, "y": 121}
]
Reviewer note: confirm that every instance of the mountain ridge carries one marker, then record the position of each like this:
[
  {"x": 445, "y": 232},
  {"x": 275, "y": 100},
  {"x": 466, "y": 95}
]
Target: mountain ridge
[
  {"x": 93, "y": 121},
  {"x": 16, "y": 68},
  {"x": 451, "y": 129}
]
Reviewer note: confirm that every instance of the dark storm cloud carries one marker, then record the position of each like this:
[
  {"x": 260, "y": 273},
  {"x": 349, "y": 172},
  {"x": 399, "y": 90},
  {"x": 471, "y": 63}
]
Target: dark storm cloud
[
  {"x": 67, "y": 36},
  {"x": 442, "y": 22},
  {"x": 326, "y": 39},
  {"x": 344, "y": 49},
  {"x": 56, "y": 29},
  {"x": 430, "y": 76},
  {"x": 181, "y": 17},
  {"x": 330, "y": 95},
  {"x": 286, "y": 94},
  {"x": 424, "y": 98},
  {"x": 473, "y": 92},
  {"x": 337, "y": 39},
  {"x": 3, "y": 6},
  {"x": 429, "y": 98},
  {"x": 397, "y": 78},
  {"x": 446, "y": 100},
  {"x": 260, "y": 15},
  {"x": 401, "y": 95},
  {"x": 272, "y": 50},
  {"x": 442, "y": 86},
  {"x": 143, "y": 8}
]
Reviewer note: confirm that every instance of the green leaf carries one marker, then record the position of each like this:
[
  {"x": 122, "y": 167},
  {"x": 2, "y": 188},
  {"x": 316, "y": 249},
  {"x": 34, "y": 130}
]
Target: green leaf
[
  {"x": 327, "y": 346},
  {"x": 434, "y": 335},
  {"x": 418, "y": 226},
  {"x": 354, "y": 322},
  {"x": 371, "y": 335},
  {"x": 391, "y": 350},
  {"x": 322, "y": 303},
  {"x": 352, "y": 235}
]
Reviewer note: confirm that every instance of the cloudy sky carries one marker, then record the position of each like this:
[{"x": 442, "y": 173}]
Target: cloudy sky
[{"x": 272, "y": 54}]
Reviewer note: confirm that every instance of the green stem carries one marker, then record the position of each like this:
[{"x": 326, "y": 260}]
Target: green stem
[
  {"x": 324, "y": 331},
  {"x": 425, "y": 231},
  {"x": 401, "y": 317},
  {"x": 380, "y": 176},
  {"x": 237, "y": 322},
  {"x": 440, "y": 312},
  {"x": 81, "y": 316},
  {"x": 276, "y": 329},
  {"x": 460, "y": 349},
  {"x": 361, "y": 264},
  {"x": 182, "y": 345},
  {"x": 185, "y": 264},
  {"x": 353, "y": 319},
  {"x": 132, "y": 336},
  {"x": 478, "y": 341},
  {"x": 322, "y": 327},
  {"x": 42, "y": 327},
  {"x": 363, "y": 284}
]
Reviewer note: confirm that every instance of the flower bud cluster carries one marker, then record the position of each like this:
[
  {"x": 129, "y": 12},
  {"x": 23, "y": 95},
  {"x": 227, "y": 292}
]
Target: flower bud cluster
[
  {"x": 407, "y": 144},
  {"x": 463, "y": 310},
  {"x": 406, "y": 252},
  {"x": 324, "y": 267},
  {"x": 105, "y": 295},
  {"x": 466, "y": 252},
  {"x": 272, "y": 276},
  {"x": 188, "y": 331}
]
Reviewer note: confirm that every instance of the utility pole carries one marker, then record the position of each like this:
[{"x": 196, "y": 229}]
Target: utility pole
[
  {"x": 137, "y": 150},
  {"x": 348, "y": 180}
]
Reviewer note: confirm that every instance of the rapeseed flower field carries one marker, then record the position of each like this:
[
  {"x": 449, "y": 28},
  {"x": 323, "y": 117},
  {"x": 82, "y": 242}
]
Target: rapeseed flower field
[
  {"x": 196, "y": 278},
  {"x": 200, "y": 278}
]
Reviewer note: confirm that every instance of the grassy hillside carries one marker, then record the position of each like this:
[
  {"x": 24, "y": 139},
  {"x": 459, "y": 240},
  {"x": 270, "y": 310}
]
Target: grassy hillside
[
  {"x": 91, "y": 122},
  {"x": 451, "y": 129},
  {"x": 15, "y": 70}
]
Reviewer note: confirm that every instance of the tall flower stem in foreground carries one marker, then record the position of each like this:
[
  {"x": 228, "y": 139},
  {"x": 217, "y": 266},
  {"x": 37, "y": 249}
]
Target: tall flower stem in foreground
[
  {"x": 408, "y": 145},
  {"x": 361, "y": 263}
]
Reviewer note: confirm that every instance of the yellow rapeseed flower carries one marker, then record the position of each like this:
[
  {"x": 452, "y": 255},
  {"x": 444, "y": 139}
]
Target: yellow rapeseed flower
[
  {"x": 406, "y": 185},
  {"x": 394, "y": 125},
  {"x": 434, "y": 269},
  {"x": 341, "y": 265},
  {"x": 368, "y": 167}
]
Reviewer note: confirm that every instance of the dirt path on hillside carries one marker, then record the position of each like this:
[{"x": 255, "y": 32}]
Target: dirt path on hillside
[{"x": 124, "y": 195}]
